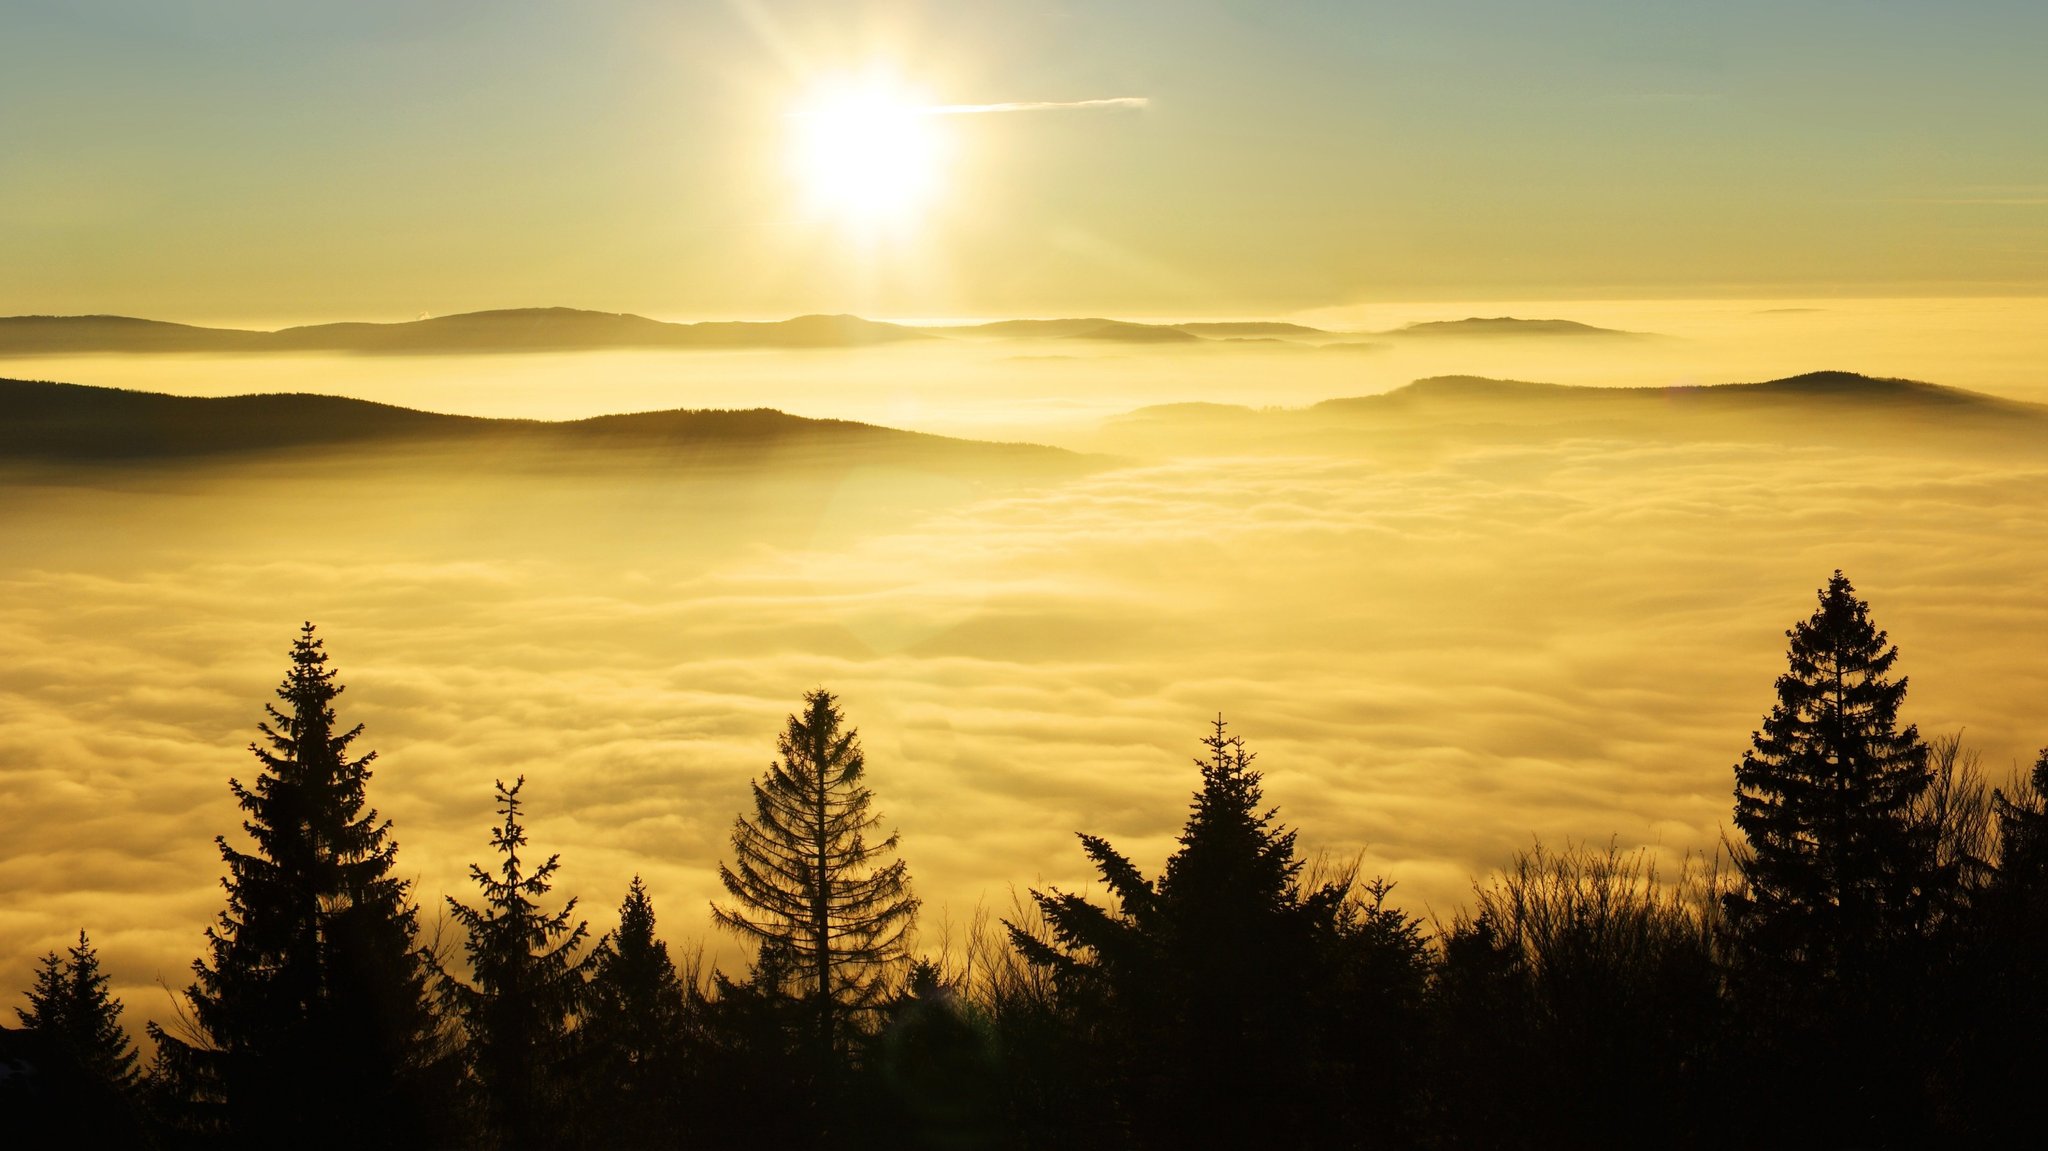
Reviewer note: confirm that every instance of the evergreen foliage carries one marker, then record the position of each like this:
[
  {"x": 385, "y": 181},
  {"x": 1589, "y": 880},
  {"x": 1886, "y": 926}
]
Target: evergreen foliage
[
  {"x": 1843, "y": 889},
  {"x": 760, "y": 1068},
  {"x": 310, "y": 1021},
  {"x": 1875, "y": 977},
  {"x": 71, "y": 1005},
  {"x": 828, "y": 908},
  {"x": 86, "y": 1090},
  {"x": 1837, "y": 869},
  {"x": 935, "y": 1076},
  {"x": 1210, "y": 979},
  {"x": 529, "y": 989},
  {"x": 637, "y": 1029}
]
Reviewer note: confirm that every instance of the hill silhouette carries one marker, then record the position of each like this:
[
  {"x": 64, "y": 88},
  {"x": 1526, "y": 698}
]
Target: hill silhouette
[
  {"x": 1815, "y": 407},
  {"x": 511, "y": 330},
  {"x": 1501, "y": 327},
  {"x": 506, "y": 330},
  {"x": 1091, "y": 328},
  {"x": 61, "y": 335},
  {"x": 1096, "y": 328},
  {"x": 74, "y": 424}
]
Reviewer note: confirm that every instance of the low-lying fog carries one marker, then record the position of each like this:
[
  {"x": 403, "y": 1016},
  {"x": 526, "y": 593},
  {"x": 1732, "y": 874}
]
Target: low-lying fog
[{"x": 1435, "y": 657}]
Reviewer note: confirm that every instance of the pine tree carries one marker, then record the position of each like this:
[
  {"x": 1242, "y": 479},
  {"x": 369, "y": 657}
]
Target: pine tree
[
  {"x": 529, "y": 987},
  {"x": 1838, "y": 871},
  {"x": 808, "y": 883},
  {"x": 1208, "y": 974},
  {"x": 1830, "y": 926},
  {"x": 636, "y": 1031},
  {"x": 86, "y": 1084},
  {"x": 71, "y": 1005},
  {"x": 311, "y": 1022}
]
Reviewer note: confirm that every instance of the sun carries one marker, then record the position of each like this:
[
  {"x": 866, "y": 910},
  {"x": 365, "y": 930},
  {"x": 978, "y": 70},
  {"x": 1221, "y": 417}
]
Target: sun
[{"x": 867, "y": 154}]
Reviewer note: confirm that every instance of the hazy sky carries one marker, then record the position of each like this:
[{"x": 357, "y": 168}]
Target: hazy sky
[{"x": 271, "y": 161}]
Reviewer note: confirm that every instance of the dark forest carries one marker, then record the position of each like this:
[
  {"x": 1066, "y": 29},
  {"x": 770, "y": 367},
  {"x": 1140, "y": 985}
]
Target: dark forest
[{"x": 1861, "y": 964}]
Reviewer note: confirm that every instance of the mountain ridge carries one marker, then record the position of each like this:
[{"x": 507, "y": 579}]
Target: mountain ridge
[
  {"x": 546, "y": 329},
  {"x": 44, "y": 422},
  {"x": 1811, "y": 407},
  {"x": 542, "y": 329}
]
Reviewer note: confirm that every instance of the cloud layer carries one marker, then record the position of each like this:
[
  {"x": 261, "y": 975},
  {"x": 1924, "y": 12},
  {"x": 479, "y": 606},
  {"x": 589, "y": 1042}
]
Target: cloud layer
[{"x": 1433, "y": 660}]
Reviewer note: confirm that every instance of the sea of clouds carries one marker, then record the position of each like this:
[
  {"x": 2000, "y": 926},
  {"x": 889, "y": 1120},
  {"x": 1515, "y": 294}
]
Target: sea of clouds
[{"x": 1435, "y": 657}]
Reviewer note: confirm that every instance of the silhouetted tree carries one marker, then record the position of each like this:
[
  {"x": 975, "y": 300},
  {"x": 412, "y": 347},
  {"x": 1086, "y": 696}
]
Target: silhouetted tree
[
  {"x": 636, "y": 1033},
  {"x": 87, "y": 1088},
  {"x": 2000, "y": 999},
  {"x": 2021, "y": 809},
  {"x": 1369, "y": 994},
  {"x": 759, "y": 1068},
  {"x": 809, "y": 884},
  {"x": 529, "y": 987},
  {"x": 311, "y": 1022},
  {"x": 937, "y": 1079},
  {"x": 1208, "y": 978},
  {"x": 71, "y": 1005},
  {"x": 1580, "y": 1007},
  {"x": 1837, "y": 867},
  {"x": 1841, "y": 881}
]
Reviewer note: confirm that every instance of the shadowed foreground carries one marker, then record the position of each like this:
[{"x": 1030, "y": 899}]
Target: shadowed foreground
[{"x": 1862, "y": 968}]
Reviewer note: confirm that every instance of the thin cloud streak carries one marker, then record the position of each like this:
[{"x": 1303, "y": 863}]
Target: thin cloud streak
[{"x": 1036, "y": 106}]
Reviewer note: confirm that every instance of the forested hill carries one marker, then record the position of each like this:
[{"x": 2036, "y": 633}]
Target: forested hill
[
  {"x": 1817, "y": 407},
  {"x": 504, "y": 330},
  {"x": 53, "y": 423},
  {"x": 515, "y": 330}
]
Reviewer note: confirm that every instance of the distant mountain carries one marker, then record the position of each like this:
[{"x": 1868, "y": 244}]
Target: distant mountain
[
  {"x": 72, "y": 424},
  {"x": 1497, "y": 327},
  {"x": 1254, "y": 328},
  {"x": 1841, "y": 393},
  {"x": 1128, "y": 332},
  {"x": 1817, "y": 407},
  {"x": 1120, "y": 331},
  {"x": 512, "y": 330},
  {"x": 60, "y": 335},
  {"x": 508, "y": 330}
]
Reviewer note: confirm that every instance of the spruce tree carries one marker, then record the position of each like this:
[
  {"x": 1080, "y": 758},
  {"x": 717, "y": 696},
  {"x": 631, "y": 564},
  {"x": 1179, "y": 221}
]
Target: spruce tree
[
  {"x": 807, "y": 882},
  {"x": 1837, "y": 870},
  {"x": 529, "y": 985},
  {"x": 1206, "y": 977},
  {"x": 1840, "y": 886},
  {"x": 636, "y": 1031},
  {"x": 70, "y": 1004},
  {"x": 86, "y": 1084},
  {"x": 310, "y": 1019}
]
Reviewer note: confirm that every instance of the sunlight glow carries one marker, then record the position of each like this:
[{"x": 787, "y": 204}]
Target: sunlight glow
[{"x": 867, "y": 154}]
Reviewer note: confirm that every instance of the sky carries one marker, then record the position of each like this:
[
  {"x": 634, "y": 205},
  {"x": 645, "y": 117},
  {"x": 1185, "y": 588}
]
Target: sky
[
  {"x": 1439, "y": 651},
  {"x": 273, "y": 162}
]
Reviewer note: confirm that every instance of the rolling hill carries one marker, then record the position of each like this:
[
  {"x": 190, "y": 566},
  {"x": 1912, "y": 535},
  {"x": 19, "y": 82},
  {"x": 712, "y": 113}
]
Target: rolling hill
[
  {"x": 514, "y": 330},
  {"x": 75, "y": 425},
  {"x": 507, "y": 330},
  {"x": 1816, "y": 407}
]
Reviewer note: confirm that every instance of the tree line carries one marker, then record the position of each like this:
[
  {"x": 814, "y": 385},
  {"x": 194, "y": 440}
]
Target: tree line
[{"x": 1863, "y": 965}]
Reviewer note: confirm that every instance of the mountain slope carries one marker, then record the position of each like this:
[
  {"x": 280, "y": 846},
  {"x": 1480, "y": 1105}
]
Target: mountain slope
[
  {"x": 1817, "y": 407},
  {"x": 71, "y": 424},
  {"x": 1504, "y": 327},
  {"x": 506, "y": 330}
]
